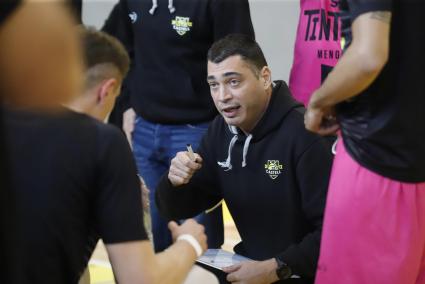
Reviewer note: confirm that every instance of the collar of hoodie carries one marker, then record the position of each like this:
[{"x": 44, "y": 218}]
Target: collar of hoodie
[
  {"x": 171, "y": 7},
  {"x": 227, "y": 164},
  {"x": 281, "y": 103}
]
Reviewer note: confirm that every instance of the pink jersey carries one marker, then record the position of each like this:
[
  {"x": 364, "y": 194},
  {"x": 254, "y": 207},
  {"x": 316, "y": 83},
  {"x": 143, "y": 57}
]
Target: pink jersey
[{"x": 317, "y": 46}]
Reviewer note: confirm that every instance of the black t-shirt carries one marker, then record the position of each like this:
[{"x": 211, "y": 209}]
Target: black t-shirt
[
  {"x": 75, "y": 181},
  {"x": 383, "y": 127}
]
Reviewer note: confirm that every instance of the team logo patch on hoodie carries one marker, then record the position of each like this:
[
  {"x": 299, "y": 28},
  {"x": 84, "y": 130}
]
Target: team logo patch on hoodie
[
  {"x": 273, "y": 168},
  {"x": 182, "y": 25}
]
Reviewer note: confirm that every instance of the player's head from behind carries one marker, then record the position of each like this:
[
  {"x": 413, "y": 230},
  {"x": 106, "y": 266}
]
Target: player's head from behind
[{"x": 106, "y": 65}]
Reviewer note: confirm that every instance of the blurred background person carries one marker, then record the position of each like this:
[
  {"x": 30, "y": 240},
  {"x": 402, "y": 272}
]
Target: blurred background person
[{"x": 54, "y": 54}]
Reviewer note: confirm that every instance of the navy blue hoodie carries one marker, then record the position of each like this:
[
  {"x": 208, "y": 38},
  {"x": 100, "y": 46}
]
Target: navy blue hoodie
[
  {"x": 277, "y": 199},
  {"x": 170, "y": 43}
]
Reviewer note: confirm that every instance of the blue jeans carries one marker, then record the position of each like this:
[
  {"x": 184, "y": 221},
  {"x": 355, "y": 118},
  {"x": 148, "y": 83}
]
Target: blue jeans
[{"x": 154, "y": 146}]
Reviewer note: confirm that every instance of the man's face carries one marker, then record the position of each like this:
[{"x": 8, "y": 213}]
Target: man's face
[{"x": 239, "y": 95}]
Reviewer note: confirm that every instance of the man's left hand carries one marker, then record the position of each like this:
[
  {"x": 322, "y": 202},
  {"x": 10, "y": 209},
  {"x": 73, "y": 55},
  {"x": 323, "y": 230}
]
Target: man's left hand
[{"x": 252, "y": 272}]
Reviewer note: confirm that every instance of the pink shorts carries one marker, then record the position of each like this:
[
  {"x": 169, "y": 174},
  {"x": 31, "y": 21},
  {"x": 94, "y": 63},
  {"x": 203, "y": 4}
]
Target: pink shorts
[{"x": 374, "y": 228}]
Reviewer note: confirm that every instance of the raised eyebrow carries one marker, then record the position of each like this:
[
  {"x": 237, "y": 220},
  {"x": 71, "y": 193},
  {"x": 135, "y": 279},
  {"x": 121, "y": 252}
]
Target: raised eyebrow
[
  {"x": 230, "y": 74},
  {"x": 225, "y": 75}
]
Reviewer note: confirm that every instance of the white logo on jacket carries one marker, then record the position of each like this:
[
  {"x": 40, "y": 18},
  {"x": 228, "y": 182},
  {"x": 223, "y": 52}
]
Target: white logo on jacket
[{"x": 133, "y": 17}]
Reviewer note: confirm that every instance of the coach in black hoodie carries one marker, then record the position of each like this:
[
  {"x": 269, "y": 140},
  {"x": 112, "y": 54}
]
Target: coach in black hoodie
[{"x": 259, "y": 158}]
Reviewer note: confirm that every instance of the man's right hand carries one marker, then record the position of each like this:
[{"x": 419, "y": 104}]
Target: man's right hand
[
  {"x": 191, "y": 227},
  {"x": 128, "y": 120},
  {"x": 183, "y": 167},
  {"x": 320, "y": 120}
]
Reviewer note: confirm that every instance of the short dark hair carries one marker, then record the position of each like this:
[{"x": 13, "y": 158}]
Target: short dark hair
[
  {"x": 101, "y": 49},
  {"x": 238, "y": 44}
]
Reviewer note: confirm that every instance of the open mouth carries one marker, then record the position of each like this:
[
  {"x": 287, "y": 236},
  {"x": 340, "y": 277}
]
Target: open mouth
[{"x": 230, "y": 111}]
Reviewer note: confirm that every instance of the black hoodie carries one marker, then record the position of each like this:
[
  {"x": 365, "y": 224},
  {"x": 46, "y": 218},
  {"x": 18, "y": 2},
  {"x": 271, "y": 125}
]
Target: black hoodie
[
  {"x": 277, "y": 199},
  {"x": 170, "y": 43}
]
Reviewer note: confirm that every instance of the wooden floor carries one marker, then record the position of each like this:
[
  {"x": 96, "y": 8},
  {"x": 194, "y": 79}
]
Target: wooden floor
[{"x": 100, "y": 268}]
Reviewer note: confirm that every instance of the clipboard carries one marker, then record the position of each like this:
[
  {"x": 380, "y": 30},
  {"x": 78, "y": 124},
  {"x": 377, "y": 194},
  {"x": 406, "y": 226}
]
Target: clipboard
[{"x": 218, "y": 258}]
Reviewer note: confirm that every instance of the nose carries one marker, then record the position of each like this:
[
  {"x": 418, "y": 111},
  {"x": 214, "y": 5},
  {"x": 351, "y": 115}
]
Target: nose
[{"x": 224, "y": 95}]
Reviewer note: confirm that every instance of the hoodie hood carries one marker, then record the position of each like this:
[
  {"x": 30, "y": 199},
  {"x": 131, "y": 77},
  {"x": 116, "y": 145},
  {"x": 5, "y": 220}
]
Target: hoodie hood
[{"x": 281, "y": 103}]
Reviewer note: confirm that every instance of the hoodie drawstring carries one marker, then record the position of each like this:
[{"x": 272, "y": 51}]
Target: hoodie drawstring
[
  {"x": 171, "y": 6},
  {"x": 155, "y": 5},
  {"x": 228, "y": 163},
  {"x": 245, "y": 149}
]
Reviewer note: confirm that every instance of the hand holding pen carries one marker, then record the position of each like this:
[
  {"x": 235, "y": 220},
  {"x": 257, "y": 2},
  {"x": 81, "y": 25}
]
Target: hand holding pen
[
  {"x": 190, "y": 152},
  {"x": 183, "y": 166}
]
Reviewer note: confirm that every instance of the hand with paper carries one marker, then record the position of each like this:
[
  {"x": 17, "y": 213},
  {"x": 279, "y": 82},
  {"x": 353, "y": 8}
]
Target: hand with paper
[{"x": 253, "y": 272}]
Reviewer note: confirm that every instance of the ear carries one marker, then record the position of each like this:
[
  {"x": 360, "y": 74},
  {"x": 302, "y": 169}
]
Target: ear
[
  {"x": 266, "y": 76},
  {"x": 107, "y": 88}
]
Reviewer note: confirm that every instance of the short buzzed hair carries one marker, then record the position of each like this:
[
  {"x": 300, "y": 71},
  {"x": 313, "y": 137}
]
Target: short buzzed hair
[
  {"x": 238, "y": 44},
  {"x": 104, "y": 56}
]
